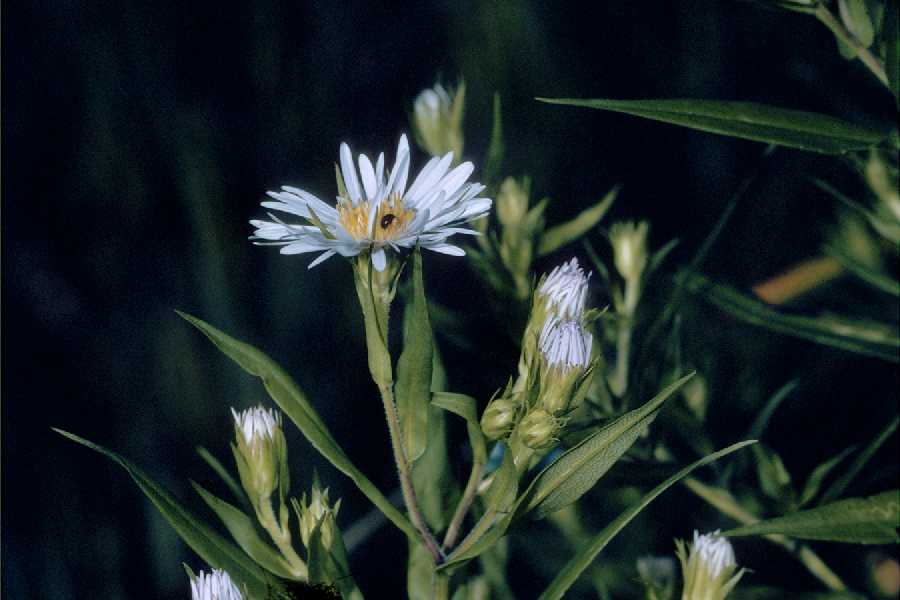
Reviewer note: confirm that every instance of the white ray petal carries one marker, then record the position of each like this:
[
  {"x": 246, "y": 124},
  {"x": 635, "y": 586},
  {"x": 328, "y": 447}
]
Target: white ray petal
[
  {"x": 349, "y": 171},
  {"x": 379, "y": 260},
  {"x": 367, "y": 173}
]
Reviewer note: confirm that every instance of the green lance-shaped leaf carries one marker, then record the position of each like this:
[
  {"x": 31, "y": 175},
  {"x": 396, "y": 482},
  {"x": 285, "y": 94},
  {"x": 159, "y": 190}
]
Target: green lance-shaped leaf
[
  {"x": 586, "y": 556},
  {"x": 215, "y": 550},
  {"x": 496, "y": 518},
  {"x": 233, "y": 486},
  {"x": 571, "y": 475},
  {"x": 293, "y": 402},
  {"x": 872, "y": 520},
  {"x": 839, "y": 486},
  {"x": 465, "y": 407},
  {"x": 870, "y": 339},
  {"x": 891, "y": 29},
  {"x": 435, "y": 487},
  {"x": 560, "y": 235},
  {"x": 875, "y": 278},
  {"x": 819, "y": 474},
  {"x": 747, "y": 120},
  {"x": 494, "y": 160},
  {"x": 243, "y": 530},
  {"x": 413, "y": 387}
]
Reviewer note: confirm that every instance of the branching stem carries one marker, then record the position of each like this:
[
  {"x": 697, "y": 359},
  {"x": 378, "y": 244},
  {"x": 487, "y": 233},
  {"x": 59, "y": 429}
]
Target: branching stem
[
  {"x": 463, "y": 507},
  {"x": 405, "y": 474}
]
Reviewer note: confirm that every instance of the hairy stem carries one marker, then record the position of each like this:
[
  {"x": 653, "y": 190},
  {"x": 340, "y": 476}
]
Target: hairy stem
[
  {"x": 865, "y": 55},
  {"x": 405, "y": 474},
  {"x": 463, "y": 507}
]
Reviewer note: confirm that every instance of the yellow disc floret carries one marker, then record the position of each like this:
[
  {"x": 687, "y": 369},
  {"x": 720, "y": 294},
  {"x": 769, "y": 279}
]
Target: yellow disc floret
[{"x": 391, "y": 219}]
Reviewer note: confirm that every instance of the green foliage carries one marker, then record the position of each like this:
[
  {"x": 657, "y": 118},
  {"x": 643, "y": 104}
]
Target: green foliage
[
  {"x": 872, "y": 520},
  {"x": 413, "y": 387},
  {"x": 566, "y": 233},
  {"x": 871, "y": 339},
  {"x": 293, "y": 402},
  {"x": 747, "y": 120},
  {"x": 209, "y": 545},
  {"x": 583, "y": 559},
  {"x": 579, "y": 469}
]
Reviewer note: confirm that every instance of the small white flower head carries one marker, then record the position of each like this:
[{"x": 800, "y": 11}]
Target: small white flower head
[
  {"x": 629, "y": 244},
  {"x": 216, "y": 585},
  {"x": 565, "y": 290},
  {"x": 565, "y": 344},
  {"x": 565, "y": 348},
  {"x": 260, "y": 450},
  {"x": 257, "y": 422},
  {"x": 708, "y": 566},
  {"x": 437, "y": 119},
  {"x": 377, "y": 211}
]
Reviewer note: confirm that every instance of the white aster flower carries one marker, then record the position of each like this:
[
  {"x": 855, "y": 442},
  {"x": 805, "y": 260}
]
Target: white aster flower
[
  {"x": 708, "y": 566},
  {"x": 257, "y": 422},
  {"x": 565, "y": 290},
  {"x": 216, "y": 585},
  {"x": 565, "y": 344},
  {"x": 379, "y": 211}
]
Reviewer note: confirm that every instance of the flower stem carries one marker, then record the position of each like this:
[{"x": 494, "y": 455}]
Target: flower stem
[
  {"x": 281, "y": 537},
  {"x": 865, "y": 55},
  {"x": 463, "y": 507},
  {"x": 405, "y": 474},
  {"x": 441, "y": 586}
]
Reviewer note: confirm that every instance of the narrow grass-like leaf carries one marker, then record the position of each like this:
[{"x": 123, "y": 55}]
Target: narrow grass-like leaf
[
  {"x": 243, "y": 530},
  {"x": 233, "y": 486},
  {"x": 872, "y": 520},
  {"x": 571, "y": 475},
  {"x": 819, "y": 474},
  {"x": 501, "y": 496},
  {"x": 863, "y": 338},
  {"x": 210, "y": 546},
  {"x": 560, "y": 235},
  {"x": 494, "y": 160},
  {"x": 840, "y": 486},
  {"x": 293, "y": 402},
  {"x": 576, "y": 566},
  {"x": 465, "y": 407},
  {"x": 747, "y": 120},
  {"x": 891, "y": 29},
  {"x": 762, "y": 419},
  {"x": 876, "y": 279},
  {"x": 413, "y": 387}
]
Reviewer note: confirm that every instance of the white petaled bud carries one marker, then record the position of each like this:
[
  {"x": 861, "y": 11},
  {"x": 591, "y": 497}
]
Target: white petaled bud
[
  {"x": 216, "y": 585},
  {"x": 565, "y": 289},
  {"x": 260, "y": 450},
  {"x": 709, "y": 568},
  {"x": 437, "y": 120},
  {"x": 565, "y": 347}
]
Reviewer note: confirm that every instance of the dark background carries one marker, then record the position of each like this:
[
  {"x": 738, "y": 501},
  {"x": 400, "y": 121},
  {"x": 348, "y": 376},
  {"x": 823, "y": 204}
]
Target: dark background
[{"x": 139, "y": 138}]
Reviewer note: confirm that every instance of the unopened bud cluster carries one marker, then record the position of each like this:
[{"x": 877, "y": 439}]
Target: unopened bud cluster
[
  {"x": 708, "y": 566},
  {"x": 317, "y": 514},
  {"x": 554, "y": 368}
]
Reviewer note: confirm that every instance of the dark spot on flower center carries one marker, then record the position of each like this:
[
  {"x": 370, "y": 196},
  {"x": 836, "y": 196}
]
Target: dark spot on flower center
[{"x": 387, "y": 219}]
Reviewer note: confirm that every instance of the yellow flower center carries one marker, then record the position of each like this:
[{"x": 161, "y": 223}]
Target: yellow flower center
[{"x": 391, "y": 219}]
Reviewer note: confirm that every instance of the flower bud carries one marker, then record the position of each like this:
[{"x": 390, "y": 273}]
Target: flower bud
[
  {"x": 538, "y": 429},
  {"x": 629, "y": 244},
  {"x": 216, "y": 585},
  {"x": 437, "y": 120},
  {"x": 708, "y": 566},
  {"x": 657, "y": 573},
  {"x": 499, "y": 418},
  {"x": 318, "y": 513},
  {"x": 565, "y": 348},
  {"x": 512, "y": 203},
  {"x": 562, "y": 294},
  {"x": 260, "y": 451}
]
